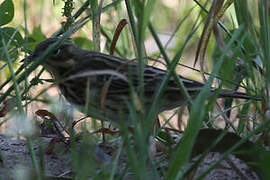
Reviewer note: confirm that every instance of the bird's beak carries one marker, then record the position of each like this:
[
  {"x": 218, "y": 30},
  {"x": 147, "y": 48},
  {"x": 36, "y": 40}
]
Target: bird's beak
[{"x": 29, "y": 58}]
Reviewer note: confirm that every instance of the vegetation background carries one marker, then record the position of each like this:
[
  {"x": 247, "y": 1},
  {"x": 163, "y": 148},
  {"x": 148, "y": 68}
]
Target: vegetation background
[{"x": 227, "y": 41}]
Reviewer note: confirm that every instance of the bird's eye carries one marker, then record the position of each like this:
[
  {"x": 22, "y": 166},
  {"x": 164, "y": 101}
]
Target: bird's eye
[{"x": 57, "y": 52}]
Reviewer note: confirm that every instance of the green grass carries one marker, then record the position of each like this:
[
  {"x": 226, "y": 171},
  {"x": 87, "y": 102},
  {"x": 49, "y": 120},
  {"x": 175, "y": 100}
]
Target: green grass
[{"x": 218, "y": 44}]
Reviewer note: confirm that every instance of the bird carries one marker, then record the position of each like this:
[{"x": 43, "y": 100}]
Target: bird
[{"x": 103, "y": 85}]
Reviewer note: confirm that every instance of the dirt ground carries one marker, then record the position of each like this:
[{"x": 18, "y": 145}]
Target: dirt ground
[{"x": 16, "y": 163}]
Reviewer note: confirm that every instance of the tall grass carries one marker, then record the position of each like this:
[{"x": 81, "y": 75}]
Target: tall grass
[{"x": 208, "y": 31}]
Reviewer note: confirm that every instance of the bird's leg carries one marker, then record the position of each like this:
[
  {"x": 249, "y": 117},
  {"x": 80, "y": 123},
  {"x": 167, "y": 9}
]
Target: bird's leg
[{"x": 103, "y": 133}]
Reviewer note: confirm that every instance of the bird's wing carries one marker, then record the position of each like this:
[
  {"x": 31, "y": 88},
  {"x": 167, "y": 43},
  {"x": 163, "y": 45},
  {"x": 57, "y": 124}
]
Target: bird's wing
[{"x": 122, "y": 73}]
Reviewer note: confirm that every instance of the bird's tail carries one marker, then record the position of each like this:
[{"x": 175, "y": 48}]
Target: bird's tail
[{"x": 235, "y": 94}]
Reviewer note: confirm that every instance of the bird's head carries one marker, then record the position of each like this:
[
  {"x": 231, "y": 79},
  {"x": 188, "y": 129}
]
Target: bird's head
[{"x": 61, "y": 60}]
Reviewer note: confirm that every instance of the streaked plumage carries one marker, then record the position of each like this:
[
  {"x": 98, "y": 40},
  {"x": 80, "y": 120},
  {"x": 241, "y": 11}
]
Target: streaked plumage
[{"x": 82, "y": 74}]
